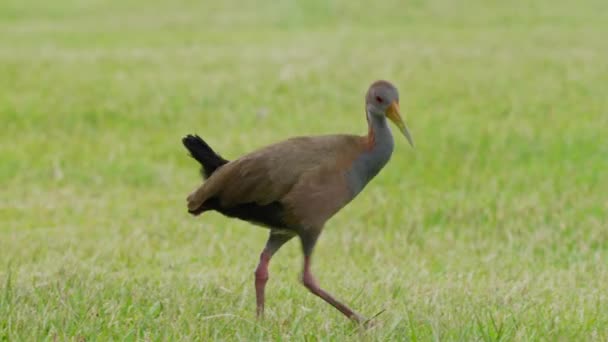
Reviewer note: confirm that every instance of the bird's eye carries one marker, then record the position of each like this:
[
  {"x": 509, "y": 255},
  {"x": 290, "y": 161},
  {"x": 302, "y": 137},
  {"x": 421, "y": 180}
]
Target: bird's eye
[{"x": 379, "y": 99}]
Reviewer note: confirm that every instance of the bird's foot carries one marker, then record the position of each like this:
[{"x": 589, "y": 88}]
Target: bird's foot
[
  {"x": 357, "y": 318},
  {"x": 366, "y": 323}
]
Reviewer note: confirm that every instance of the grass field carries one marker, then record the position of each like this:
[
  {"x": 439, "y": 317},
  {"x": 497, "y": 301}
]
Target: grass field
[{"x": 494, "y": 228}]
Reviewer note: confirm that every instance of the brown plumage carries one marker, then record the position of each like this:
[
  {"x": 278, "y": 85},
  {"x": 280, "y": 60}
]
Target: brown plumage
[{"x": 293, "y": 187}]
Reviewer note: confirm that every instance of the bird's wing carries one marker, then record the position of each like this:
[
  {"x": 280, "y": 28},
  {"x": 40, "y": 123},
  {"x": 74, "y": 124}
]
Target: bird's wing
[{"x": 268, "y": 174}]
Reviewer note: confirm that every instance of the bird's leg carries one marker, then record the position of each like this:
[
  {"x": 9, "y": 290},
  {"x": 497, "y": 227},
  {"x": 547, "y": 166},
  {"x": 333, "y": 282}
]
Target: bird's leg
[
  {"x": 261, "y": 277},
  {"x": 312, "y": 285},
  {"x": 275, "y": 241}
]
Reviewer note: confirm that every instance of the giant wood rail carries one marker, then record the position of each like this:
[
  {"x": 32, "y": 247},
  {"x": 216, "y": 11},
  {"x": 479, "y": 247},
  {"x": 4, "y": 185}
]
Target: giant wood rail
[{"x": 293, "y": 187}]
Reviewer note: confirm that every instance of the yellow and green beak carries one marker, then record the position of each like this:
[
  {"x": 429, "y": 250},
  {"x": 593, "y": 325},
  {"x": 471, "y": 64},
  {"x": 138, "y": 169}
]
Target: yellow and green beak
[{"x": 395, "y": 116}]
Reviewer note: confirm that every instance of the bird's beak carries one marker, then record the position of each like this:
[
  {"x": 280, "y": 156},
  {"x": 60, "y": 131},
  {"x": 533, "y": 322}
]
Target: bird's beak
[{"x": 393, "y": 113}]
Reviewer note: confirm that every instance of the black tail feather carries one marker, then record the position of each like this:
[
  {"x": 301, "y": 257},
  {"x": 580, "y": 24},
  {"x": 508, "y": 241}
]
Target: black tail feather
[{"x": 200, "y": 150}]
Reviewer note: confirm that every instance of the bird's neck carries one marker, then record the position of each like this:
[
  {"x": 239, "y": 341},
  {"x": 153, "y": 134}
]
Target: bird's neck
[{"x": 379, "y": 149}]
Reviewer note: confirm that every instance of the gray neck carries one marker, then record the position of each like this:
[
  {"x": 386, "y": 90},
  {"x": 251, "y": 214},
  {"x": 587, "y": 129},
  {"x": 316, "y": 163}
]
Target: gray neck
[{"x": 369, "y": 163}]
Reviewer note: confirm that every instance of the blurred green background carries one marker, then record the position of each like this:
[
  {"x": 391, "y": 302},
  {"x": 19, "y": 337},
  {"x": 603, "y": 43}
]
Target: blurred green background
[{"x": 494, "y": 227}]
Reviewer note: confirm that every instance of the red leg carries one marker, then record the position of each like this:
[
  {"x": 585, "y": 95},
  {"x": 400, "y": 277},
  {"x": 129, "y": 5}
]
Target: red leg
[
  {"x": 311, "y": 284},
  {"x": 308, "y": 243},
  {"x": 261, "y": 277},
  {"x": 275, "y": 241}
]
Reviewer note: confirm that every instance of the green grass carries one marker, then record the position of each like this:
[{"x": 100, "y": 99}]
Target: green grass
[{"x": 494, "y": 228}]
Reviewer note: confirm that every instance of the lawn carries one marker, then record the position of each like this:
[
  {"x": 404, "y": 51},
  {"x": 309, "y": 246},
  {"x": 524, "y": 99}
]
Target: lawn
[{"x": 495, "y": 227}]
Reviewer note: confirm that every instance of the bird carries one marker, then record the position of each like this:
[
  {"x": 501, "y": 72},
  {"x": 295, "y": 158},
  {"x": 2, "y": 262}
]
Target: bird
[{"x": 295, "y": 186}]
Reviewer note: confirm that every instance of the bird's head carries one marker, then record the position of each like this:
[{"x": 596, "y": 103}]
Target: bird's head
[{"x": 383, "y": 99}]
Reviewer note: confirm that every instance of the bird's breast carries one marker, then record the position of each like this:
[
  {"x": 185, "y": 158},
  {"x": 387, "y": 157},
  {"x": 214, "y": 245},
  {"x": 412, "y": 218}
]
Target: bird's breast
[{"x": 369, "y": 163}]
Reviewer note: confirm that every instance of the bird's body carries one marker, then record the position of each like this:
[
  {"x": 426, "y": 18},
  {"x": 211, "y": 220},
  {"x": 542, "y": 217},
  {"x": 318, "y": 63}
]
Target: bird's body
[
  {"x": 293, "y": 187},
  {"x": 289, "y": 175}
]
